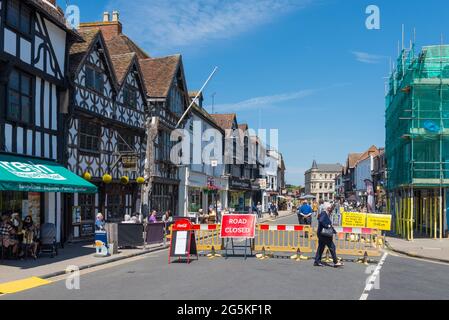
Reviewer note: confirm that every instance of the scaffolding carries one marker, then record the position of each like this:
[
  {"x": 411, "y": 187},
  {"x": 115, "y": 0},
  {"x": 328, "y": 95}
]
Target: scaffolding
[{"x": 417, "y": 142}]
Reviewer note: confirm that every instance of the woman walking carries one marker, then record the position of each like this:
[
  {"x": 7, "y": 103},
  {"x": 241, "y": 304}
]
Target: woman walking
[{"x": 326, "y": 237}]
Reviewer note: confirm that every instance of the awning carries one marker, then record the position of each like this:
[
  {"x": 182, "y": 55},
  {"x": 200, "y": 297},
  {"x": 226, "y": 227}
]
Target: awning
[{"x": 31, "y": 175}]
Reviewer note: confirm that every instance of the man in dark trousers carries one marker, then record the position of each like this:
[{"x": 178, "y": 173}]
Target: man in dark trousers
[
  {"x": 326, "y": 240},
  {"x": 305, "y": 214}
]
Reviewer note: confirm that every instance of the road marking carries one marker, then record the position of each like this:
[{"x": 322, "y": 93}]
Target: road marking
[
  {"x": 22, "y": 285},
  {"x": 372, "y": 279}
]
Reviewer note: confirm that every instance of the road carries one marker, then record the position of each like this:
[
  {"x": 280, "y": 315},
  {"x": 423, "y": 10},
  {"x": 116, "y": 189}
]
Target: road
[{"x": 150, "y": 277}]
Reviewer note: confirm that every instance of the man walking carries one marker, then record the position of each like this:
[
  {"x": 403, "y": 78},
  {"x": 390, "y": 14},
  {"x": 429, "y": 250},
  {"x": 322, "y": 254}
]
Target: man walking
[{"x": 305, "y": 214}]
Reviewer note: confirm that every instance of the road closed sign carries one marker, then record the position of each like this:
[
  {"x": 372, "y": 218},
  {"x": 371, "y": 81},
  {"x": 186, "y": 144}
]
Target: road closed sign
[{"x": 238, "y": 226}]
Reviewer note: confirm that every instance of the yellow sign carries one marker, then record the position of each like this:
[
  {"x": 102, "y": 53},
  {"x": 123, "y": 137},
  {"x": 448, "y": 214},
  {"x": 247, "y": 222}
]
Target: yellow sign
[
  {"x": 354, "y": 220},
  {"x": 379, "y": 222}
]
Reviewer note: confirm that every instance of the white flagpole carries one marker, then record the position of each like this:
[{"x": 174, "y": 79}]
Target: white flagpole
[{"x": 197, "y": 95}]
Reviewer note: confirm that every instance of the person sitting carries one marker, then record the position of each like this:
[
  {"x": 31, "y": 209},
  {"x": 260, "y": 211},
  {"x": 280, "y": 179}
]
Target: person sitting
[
  {"x": 167, "y": 217},
  {"x": 100, "y": 223},
  {"x": 153, "y": 217},
  {"x": 212, "y": 216},
  {"x": 202, "y": 216},
  {"x": 127, "y": 219},
  {"x": 8, "y": 234},
  {"x": 30, "y": 237}
]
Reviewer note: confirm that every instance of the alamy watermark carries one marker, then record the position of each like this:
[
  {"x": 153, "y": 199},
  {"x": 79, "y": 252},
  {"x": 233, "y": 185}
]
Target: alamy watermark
[
  {"x": 72, "y": 16},
  {"x": 72, "y": 281},
  {"x": 373, "y": 20},
  {"x": 198, "y": 146}
]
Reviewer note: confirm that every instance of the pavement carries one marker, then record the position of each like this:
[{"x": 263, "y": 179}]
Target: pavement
[
  {"x": 77, "y": 254},
  {"x": 151, "y": 277},
  {"x": 429, "y": 249}
]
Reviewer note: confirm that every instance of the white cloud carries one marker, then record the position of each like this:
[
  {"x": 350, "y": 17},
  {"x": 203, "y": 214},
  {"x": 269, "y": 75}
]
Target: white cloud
[
  {"x": 161, "y": 25},
  {"x": 265, "y": 101},
  {"x": 369, "y": 58}
]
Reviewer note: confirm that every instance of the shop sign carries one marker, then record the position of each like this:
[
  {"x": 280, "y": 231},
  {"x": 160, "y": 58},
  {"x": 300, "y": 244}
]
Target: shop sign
[
  {"x": 30, "y": 171},
  {"x": 263, "y": 184},
  {"x": 240, "y": 184}
]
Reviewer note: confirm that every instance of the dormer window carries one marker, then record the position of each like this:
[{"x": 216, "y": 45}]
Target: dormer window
[
  {"x": 18, "y": 16},
  {"x": 94, "y": 79}
]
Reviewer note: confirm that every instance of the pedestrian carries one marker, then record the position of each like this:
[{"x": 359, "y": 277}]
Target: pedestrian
[
  {"x": 326, "y": 237},
  {"x": 259, "y": 210},
  {"x": 274, "y": 210},
  {"x": 315, "y": 206},
  {"x": 305, "y": 213}
]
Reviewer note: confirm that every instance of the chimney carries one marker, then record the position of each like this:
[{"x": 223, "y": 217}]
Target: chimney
[
  {"x": 110, "y": 28},
  {"x": 115, "y": 16},
  {"x": 106, "y": 16}
]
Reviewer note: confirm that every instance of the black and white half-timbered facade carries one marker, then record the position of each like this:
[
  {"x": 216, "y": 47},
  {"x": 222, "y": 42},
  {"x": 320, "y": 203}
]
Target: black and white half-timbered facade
[
  {"x": 106, "y": 131},
  {"x": 168, "y": 99},
  {"x": 34, "y": 42}
]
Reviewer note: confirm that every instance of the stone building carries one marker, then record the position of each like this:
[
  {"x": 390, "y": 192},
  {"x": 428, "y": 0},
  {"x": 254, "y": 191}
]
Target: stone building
[{"x": 320, "y": 180}]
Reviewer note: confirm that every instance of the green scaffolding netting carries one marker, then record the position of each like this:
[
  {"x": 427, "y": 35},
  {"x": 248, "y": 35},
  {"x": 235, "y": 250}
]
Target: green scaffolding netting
[{"x": 417, "y": 119}]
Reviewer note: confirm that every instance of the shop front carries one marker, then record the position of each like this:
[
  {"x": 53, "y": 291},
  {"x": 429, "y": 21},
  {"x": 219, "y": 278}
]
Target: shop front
[
  {"x": 239, "y": 195},
  {"x": 34, "y": 187}
]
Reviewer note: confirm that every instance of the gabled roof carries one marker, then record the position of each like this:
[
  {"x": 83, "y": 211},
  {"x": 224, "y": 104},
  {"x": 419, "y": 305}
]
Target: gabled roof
[
  {"x": 205, "y": 114},
  {"x": 159, "y": 74},
  {"x": 121, "y": 64},
  {"x": 121, "y": 44},
  {"x": 372, "y": 151},
  {"x": 353, "y": 158},
  {"x": 243, "y": 126},
  {"x": 79, "y": 50},
  {"x": 225, "y": 121}
]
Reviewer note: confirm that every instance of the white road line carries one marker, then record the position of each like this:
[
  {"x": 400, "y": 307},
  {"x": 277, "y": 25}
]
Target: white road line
[{"x": 372, "y": 279}]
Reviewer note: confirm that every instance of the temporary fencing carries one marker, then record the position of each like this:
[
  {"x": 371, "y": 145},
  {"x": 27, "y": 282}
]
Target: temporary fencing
[
  {"x": 361, "y": 243},
  {"x": 283, "y": 239},
  {"x": 208, "y": 238}
]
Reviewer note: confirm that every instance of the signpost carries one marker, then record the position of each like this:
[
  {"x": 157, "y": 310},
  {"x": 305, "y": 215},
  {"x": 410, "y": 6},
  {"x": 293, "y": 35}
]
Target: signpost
[
  {"x": 238, "y": 227},
  {"x": 182, "y": 242}
]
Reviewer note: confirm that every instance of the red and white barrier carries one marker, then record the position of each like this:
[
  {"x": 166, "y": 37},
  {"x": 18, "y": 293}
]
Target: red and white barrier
[
  {"x": 354, "y": 230},
  {"x": 265, "y": 227},
  {"x": 206, "y": 227}
]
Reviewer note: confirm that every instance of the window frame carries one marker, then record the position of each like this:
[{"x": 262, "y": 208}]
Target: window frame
[
  {"x": 29, "y": 33},
  {"x": 82, "y": 125},
  {"x": 96, "y": 71},
  {"x": 126, "y": 101},
  {"x": 30, "y": 95}
]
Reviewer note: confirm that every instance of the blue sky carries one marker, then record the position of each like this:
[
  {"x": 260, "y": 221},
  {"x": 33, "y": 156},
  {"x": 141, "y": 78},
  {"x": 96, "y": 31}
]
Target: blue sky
[{"x": 309, "y": 68}]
